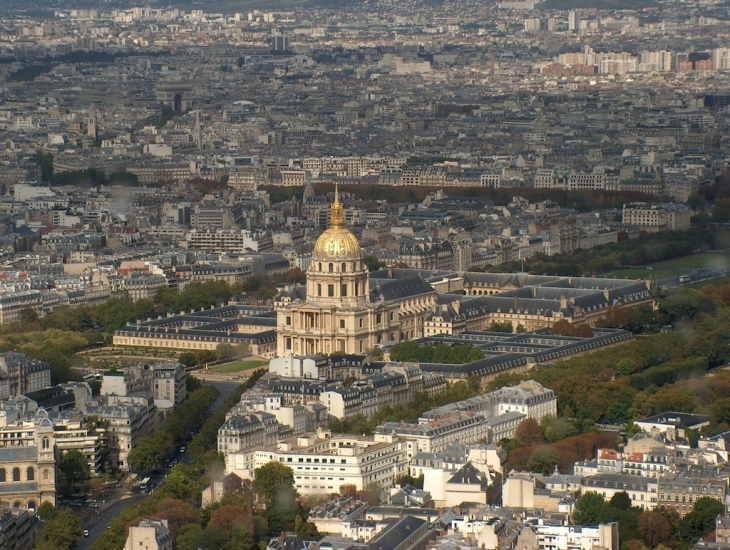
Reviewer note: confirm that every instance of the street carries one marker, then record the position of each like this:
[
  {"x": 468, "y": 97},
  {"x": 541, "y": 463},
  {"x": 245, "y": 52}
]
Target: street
[{"x": 100, "y": 517}]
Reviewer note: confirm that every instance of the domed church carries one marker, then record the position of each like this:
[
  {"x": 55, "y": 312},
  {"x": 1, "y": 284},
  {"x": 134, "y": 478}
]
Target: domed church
[{"x": 338, "y": 311}]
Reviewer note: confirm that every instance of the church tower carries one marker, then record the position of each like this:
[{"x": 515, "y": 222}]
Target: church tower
[{"x": 91, "y": 124}]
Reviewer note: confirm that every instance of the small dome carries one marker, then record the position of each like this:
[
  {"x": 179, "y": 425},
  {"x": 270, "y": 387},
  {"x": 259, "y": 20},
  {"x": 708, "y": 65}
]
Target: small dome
[{"x": 337, "y": 243}]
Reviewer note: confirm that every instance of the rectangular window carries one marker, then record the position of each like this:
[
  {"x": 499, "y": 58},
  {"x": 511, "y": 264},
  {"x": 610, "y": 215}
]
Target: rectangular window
[
  {"x": 392, "y": 315},
  {"x": 379, "y": 318},
  {"x": 343, "y": 290},
  {"x": 360, "y": 323},
  {"x": 319, "y": 290},
  {"x": 330, "y": 290},
  {"x": 342, "y": 323},
  {"x": 288, "y": 320},
  {"x": 288, "y": 343}
]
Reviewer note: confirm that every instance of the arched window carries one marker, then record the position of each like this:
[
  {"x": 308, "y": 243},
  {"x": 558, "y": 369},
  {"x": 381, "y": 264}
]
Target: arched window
[
  {"x": 45, "y": 443},
  {"x": 46, "y": 475},
  {"x": 332, "y": 268},
  {"x": 344, "y": 267},
  {"x": 2, "y": 475},
  {"x": 30, "y": 474},
  {"x": 31, "y": 505},
  {"x": 16, "y": 474},
  {"x": 17, "y": 504}
]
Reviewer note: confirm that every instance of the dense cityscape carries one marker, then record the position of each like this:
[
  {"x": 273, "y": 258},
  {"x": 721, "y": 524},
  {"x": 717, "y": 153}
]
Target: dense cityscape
[{"x": 378, "y": 275}]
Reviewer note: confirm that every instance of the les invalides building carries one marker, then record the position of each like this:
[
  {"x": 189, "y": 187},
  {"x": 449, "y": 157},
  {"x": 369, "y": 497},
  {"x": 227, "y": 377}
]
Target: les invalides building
[{"x": 338, "y": 311}]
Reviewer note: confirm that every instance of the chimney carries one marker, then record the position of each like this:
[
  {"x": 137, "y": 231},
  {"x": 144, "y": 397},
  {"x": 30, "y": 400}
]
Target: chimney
[
  {"x": 563, "y": 301},
  {"x": 517, "y": 301},
  {"x": 390, "y": 272}
]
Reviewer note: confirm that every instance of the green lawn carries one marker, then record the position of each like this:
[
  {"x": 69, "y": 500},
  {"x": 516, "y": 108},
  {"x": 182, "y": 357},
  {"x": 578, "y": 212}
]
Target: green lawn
[
  {"x": 240, "y": 366},
  {"x": 714, "y": 282},
  {"x": 671, "y": 268}
]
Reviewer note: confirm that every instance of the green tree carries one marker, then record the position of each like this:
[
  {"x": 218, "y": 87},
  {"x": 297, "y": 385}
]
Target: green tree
[
  {"x": 60, "y": 533},
  {"x": 47, "y": 511},
  {"x": 701, "y": 520},
  {"x": 73, "y": 467},
  {"x": 589, "y": 509},
  {"x": 626, "y": 367},
  {"x": 543, "y": 460},
  {"x": 372, "y": 262},
  {"x": 620, "y": 500},
  {"x": 721, "y": 211},
  {"x": 144, "y": 455},
  {"x": 270, "y": 478}
]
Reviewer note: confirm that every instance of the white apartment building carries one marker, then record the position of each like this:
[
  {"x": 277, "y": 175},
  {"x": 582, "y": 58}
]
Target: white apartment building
[
  {"x": 641, "y": 490},
  {"x": 170, "y": 385},
  {"x": 230, "y": 240},
  {"x": 435, "y": 435},
  {"x": 241, "y": 432},
  {"x": 570, "y": 537},
  {"x": 323, "y": 461}
]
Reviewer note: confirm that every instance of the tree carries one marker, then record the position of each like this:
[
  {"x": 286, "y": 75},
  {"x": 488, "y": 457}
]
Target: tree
[
  {"x": 654, "y": 529},
  {"x": 227, "y": 517},
  {"x": 372, "y": 262},
  {"x": 193, "y": 537},
  {"x": 47, "y": 511},
  {"x": 543, "y": 459},
  {"x": 589, "y": 509},
  {"x": 270, "y": 478},
  {"x": 348, "y": 490},
  {"x": 529, "y": 433},
  {"x": 721, "y": 211},
  {"x": 178, "y": 514},
  {"x": 620, "y": 500},
  {"x": 701, "y": 520},
  {"x": 144, "y": 455},
  {"x": 626, "y": 367},
  {"x": 295, "y": 275},
  {"x": 60, "y": 533},
  {"x": 73, "y": 467},
  {"x": 225, "y": 351}
]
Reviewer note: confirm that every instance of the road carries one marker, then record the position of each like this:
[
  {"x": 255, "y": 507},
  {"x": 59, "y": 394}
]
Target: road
[{"x": 100, "y": 518}]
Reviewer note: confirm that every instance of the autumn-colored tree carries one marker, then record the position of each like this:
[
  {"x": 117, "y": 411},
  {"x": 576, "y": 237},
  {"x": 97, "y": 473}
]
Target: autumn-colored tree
[
  {"x": 529, "y": 432},
  {"x": 178, "y": 513},
  {"x": 228, "y": 517},
  {"x": 295, "y": 275},
  {"x": 561, "y": 327},
  {"x": 617, "y": 317},
  {"x": 654, "y": 529},
  {"x": 583, "y": 330},
  {"x": 348, "y": 490},
  {"x": 367, "y": 496},
  {"x": 723, "y": 294}
]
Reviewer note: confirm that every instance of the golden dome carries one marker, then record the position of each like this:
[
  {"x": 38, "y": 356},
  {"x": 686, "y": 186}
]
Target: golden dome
[{"x": 337, "y": 242}]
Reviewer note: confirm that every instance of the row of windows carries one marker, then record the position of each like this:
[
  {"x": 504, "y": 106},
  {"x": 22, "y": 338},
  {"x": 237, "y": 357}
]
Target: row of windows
[{"x": 29, "y": 474}]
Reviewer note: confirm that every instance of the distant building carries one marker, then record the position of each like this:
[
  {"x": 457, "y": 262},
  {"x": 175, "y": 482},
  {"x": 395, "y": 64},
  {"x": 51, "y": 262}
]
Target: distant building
[
  {"x": 150, "y": 534},
  {"x": 655, "y": 218}
]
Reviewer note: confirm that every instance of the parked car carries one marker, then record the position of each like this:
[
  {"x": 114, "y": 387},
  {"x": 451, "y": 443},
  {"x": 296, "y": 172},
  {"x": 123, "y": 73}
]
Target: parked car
[{"x": 86, "y": 532}]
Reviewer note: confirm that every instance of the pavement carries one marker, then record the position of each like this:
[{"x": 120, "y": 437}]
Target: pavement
[{"x": 96, "y": 520}]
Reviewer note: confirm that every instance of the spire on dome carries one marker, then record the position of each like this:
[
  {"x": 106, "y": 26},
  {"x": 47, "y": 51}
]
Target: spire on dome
[{"x": 337, "y": 219}]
